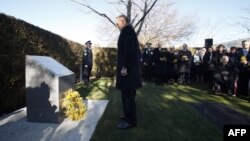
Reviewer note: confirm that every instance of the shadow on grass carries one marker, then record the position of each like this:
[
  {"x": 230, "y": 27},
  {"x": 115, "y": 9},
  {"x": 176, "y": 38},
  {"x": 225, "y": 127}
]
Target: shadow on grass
[
  {"x": 201, "y": 93},
  {"x": 219, "y": 110},
  {"x": 98, "y": 89},
  {"x": 162, "y": 115},
  {"x": 164, "y": 112}
]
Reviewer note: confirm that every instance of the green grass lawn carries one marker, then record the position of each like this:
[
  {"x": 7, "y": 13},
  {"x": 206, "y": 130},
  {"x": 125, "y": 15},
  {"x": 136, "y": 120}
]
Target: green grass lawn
[{"x": 164, "y": 112}]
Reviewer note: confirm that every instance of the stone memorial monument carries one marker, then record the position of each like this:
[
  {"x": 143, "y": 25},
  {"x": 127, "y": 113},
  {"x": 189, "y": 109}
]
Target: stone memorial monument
[{"x": 46, "y": 80}]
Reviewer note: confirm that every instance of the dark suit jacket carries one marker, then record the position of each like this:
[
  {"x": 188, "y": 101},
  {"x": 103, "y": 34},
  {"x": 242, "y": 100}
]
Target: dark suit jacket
[
  {"x": 128, "y": 56},
  {"x": 247, "y": 56},
  {"x": 244, "y": 74},
  {"x": 147, "y": 56},
  {"x": 87, "y": 58},
  {"x": 159, "y": 66}
]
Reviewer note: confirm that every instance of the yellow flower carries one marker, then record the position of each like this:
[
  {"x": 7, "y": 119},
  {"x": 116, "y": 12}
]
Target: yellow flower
[
  {"x": 243, "y": 59},
  {"x": 73, "y": 106},
  {"x": 184, "y": 58},
  {"x": 175, "y": 61}
]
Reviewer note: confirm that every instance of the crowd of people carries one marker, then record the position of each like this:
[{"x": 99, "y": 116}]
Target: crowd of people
[{"x": 224, "y": 71}]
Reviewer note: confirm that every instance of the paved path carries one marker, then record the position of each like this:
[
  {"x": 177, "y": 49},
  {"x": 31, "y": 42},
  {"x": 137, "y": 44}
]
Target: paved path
[
  {"x": 220, "y": 114},
  {"x": 14, "y": 126}
]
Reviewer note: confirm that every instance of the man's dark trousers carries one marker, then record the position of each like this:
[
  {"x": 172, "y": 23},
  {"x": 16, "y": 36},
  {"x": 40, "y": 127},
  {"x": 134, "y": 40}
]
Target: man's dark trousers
[{"x": 129, "y": 106}]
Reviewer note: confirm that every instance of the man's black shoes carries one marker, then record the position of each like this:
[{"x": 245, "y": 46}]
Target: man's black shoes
[
  {"x": 122, "y": 118},
  {"x": 124, "y": 125}
]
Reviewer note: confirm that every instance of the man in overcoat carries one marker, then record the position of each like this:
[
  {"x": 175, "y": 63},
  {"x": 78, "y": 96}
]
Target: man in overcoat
[
  {"x": 128, "y": 72},
  {"x": 244, "y": 67}
]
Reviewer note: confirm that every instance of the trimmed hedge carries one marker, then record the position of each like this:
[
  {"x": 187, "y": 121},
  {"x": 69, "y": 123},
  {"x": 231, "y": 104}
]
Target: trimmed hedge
[
  {"x": 19, "y": 38},
  {"x": 104, "y": 61}
]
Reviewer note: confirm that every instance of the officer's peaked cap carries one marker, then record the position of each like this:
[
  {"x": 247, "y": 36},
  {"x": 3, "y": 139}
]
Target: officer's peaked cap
[{"x": 88, "y": 42}]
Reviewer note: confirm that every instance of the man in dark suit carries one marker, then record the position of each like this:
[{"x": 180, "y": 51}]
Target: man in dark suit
[
  {"x": 234, "y": 56},
  {"x": 128, "y": 71},
  {"x": 159, "y": 61},
  {"x": 208, "y": 66},
  {"x": 147, "y": 62},
  {"x": 87, "y": 62},
  {"x": 244, "y": 67},
  {"x": 172, "y": 68}
]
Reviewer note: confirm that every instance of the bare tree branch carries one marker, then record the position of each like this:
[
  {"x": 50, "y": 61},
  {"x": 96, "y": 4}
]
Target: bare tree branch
[
  {"x": 142, "y": 21},
  {"x": 145, "y": 14},
  {"x": 245, "y": 26},
  {"x": 138, "y": 6},
  {"x": 120, "y": 2},
  {"x": 166, "y": 27},
  {"x": 153, "y": 20},
  {"x": 97, "y": 12},
  {"x": 132, "y": 22},
  {"x": 243, "y": 22}
]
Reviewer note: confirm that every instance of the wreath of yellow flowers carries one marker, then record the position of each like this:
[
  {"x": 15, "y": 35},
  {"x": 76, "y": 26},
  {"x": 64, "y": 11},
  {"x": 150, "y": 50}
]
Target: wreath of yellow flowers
[{"x": 73, "y": 105}]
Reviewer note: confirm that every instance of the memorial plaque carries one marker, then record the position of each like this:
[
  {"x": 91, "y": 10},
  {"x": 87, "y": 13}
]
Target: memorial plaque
[{"x": 46, "y": 80}]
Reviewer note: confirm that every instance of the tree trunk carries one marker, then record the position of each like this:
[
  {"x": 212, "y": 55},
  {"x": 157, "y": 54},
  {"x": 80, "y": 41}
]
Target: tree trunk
[{"x": 129, "y": 8}]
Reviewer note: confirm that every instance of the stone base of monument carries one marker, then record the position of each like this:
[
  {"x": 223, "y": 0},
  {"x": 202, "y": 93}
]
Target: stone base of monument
[
  {"x": 14, "y": 126},
  {"x": 46, "y": 81}
]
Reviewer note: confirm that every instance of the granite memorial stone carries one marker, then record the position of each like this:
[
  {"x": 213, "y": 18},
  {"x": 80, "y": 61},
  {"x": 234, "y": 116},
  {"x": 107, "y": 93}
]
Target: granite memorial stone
[{"x": 46, "y": 80}]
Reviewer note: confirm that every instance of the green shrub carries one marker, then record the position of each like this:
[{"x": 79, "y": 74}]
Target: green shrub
[
  {"x": 17, "y": 39},
  {"x": 104, "y": 61}
]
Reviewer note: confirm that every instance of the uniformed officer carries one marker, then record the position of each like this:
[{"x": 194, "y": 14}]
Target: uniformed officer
[{"x": 87, "y": 62}]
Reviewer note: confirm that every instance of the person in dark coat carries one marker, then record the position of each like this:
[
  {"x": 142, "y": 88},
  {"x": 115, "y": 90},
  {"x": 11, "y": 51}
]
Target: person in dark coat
[
  {"x": 244, "y": 67},
  {"x": 156, "y": 66},
  {"x": 196, "y": 66},
  {"x": 224, "y": 76},
  {"x": 87, "y": 62},
  {"x": 172, "y": 68},
  {"x": 184, "y": 65},
  {"x": 208, "y": 66},
  {"x": 147, "y": 60},
  {"x": 164, "y": 67},
  {"x": 159, "y": 61},
  {"x": 218, "y": 55},
  {"x": 128, "y": 71},
  {"x": 234, "y": 56}
]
